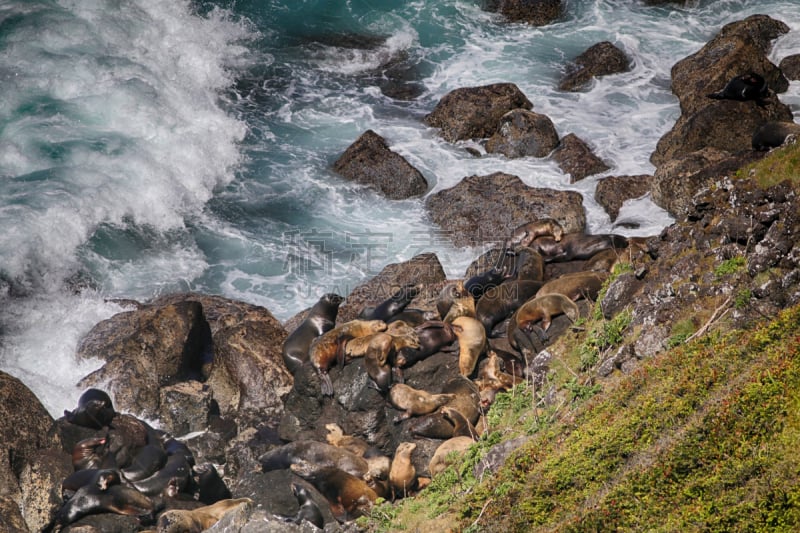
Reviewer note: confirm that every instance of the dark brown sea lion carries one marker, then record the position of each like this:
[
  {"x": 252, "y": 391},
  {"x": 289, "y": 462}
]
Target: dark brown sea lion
[
  {"x": 577, "y": 246},
  {"x": 348, "y": 496},
  {"x": 94, "y": 410},
  {"x": 197, "y": 520},
  {"x": 92, "y": 453},
  {"x": 308, "y": 509},
  {"x": 749, "y": 86},
  {"x": 525, "y": 263},
  {"x": 102, "y": 478},
  {"x": 92, "y": 499},
  {"x": 403, "y": 475},
  {"x": 176, "y": 468},
  {"x": 317, "y": 453},
  {"x": 773, "y": 134},
  {"x": 433, "y": 336},
  {"x": 499, "y": 303},
  {"x": 478, "y": 284},
  {"x": 586, "y": 284},
  {"x": 450, "y": 293},
  {"x": 395, "y": 304},
  {"x": 148, "y": 460},
  {"x": 414, "y": 402},
  {"x": 525, "y": 234},
  {"x": 471, "y": 342},
  {"x": 210, "y": 486},
  {"x": 321, "y": 318},
  {"x": 329, "y": 347}
]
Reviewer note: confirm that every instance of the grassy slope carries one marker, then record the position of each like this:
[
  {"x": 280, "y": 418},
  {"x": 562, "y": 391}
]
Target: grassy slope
[{"x": 701, "y": 437}]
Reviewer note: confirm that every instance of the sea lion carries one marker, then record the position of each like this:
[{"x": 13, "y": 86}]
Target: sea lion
[
  {"x": 577, "y": 285},
  {"x": 102, "y": 478},
  {"x": 148, "y": 460},
  {"x": 377, "y": 365},
  {"x": 749, "y": 86},
  {"x": 538, "y": 309},
  {"x": 461, "y": 426},
  {"x": 398, "y": 301},
  {"x": 308, "y": 509},
  {"x": 525, "y": 234},
  {"x": 377, "y": 477},
  {"x": 414, "y": 402},
  {"x": 604, "y": 261},
  {"x": 92, "y": 499},
  {"x": 466, "y": 401},
  {"x": 433, "y": 336},
  {"x": 336, "y": 437},
  {"x": 439, "y": 462},
  {"x": 176, "y": 468},
  {"x": 480, "y": 283},
  {"x": 403, "y": 475},
  {"x": 576, "y": 246},
  {"x": 450, "y": 293},
  {"x": 499, "y": 303},
  {"x": 462, "y": 306},
  {"x": 471, "y": 342},
  {"x": 329, "y": 347},
  {"x": 492, "y": 379},
  {"x": 92, "y": 453},
  {"x": 210, "y": 486},
  {"x": 95, "y": 410},
  {"x": 525, "y": 264},
  {"x": 773, "y": 134},
  {"x": 348, "y": 496},
  {"x": 197, "y": 520},
  {"x": 318, "y": 453},
  {"x": 321, "y": 318}
]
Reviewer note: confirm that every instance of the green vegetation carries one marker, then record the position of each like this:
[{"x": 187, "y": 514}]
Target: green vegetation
[
  {"x": 729, "y": 267},
  {"x": 681, "y": 331},
  {"x": 782, "y": 164}
]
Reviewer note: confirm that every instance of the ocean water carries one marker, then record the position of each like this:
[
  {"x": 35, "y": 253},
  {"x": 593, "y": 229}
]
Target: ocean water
[{"x": 148, "y": 147}]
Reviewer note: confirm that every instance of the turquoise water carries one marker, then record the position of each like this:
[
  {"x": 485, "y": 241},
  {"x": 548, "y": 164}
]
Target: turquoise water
[{"x": 148, "y": 147}]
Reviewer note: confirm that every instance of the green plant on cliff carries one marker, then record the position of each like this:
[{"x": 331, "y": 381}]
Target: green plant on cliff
[
  {"x": 782, "y": 164},
  {"x": 729, "y": 267}
]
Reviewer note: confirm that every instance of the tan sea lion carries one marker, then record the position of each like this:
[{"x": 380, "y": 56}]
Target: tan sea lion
[
  {"x": 415, "y": 402},
  {"x": 471, "y": 341},
  {"x": 318, "y": 453},
  {"x": 525, "y": 234},
  {"x": 604, "y": 261},
  {"x": 461, "y": 426},
  {"x": 577, "y": 285},
  {"x": 462, "y": 306},
  {"x": 403, "y": 475},
  {"x": 439, "y": 461},
  {"x": 450, "y": 293},
  {"x": 329, "y": 347},
  {"x": 542, "y": 309},
  {"x": 321, "y": 318},
  {"x": 348, "y": 496},
  {"x": 336, "y": 437},
  {"x": 197, "y": 520}
]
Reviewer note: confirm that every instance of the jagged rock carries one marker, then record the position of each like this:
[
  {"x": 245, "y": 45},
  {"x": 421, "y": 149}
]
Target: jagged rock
[
  {"x": 535, "y": 12},
  {"x": 475, "y": 112},
  {"x": 618, "y": 360},
  {"x": 523, "y": 133},
  {"x": 11, "y": 516},
  {"x": 485, "y": 209},
  {"x": 611, "y": 192},
  {"x": 185, "y": 407},
  {"x": 370, "y": 161},
  {"x": 40, "y": 483},
  {"x": 619, "y": 294},
  {"x": 676, "y": 182},
  {"x": 790, "y": 66},
  {"x": 422, "y": 269},
  {"x": 575, "y": 157},
  {"x": 24, "y": 425},
  {"x": 497, "y": 455},
  {"x": 600, "y": 59}
]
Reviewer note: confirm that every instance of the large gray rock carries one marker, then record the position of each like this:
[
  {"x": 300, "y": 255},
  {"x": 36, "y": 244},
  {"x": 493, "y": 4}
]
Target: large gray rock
[
  {"x": 535, "y": 12},
  {"x": 611, "y": 192},
  {"x": 790, "y": 66},
  {"x": 523, "y": 133},
  {"x": 475, "y": 112},
  {"x": 601, "y": 59},
  {"x": 370, "y": 161},
  {"x": 485, "y": 209},
  {"x": 575, "y": 157}
]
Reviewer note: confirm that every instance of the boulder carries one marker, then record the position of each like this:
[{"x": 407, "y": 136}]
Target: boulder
[
  {"x": 485, "y": 209},
  {"x": 475, "y": 112},
  {"x": 601, "y": 59},
  {"x": 790, "y": 66},
  {"x": 370, "y": 161},
  {"x": 611, "y": 192},
  {"x": 10, "y": 516},
  {"x": 523, "y": 133},
  {"x": 40, "y": 482},
  {"x": 535, "y": 12},
  {"x": 575, "y": 157}
]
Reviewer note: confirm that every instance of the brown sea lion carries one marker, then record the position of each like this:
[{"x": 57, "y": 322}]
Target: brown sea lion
[
  {"x": 471, "y": 341},
  {"x": 197, "y": 520},
  {"x": 336, "y": 437},
  {"x": 526, "y": 264},
  {"x": 329, "y": 347},
  {"x": 317, "y": 453},
  {"x": 461, "y": 306},
  {"x": 577, "y": 246},
  {"x": 92, "y": 453},
  {"x": 321, "y": 318},
  {"x": 433, "y": 336},
  {"x": 525, "y": 234},
  {"x": 348, "y": 496},
  {"x": 501, "y": 302},
  {"x": 604, "y": 261},
  {"x": 395, "y": 304},
  {"x": 450, "y": 293},
  {"x": 95, "y": 410},
  {"x": 461, "y": 426},
  {"x": 466, "y": 401},
  {"x": 414, "y": 402},
  {"x": 577, "y": 285},
  {"x": 377, "y": 477},
  {"x": 147, "y": 461},
  {"x": 542, "y": 309},
  {"x": 439, "y": 460},
  {"x": 93, "y": 499},
  {"x": 493, "y": 379},
  {"x": 403, "y": 475}
]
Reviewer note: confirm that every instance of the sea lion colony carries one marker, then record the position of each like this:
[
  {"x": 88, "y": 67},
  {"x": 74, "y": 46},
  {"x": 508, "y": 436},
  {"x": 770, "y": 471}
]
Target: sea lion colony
[{"x": 134, "y": 469}]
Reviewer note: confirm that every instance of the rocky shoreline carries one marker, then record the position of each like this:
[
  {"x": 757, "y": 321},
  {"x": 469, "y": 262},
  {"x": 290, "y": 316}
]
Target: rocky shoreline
[{"x": 209, "y": 370}]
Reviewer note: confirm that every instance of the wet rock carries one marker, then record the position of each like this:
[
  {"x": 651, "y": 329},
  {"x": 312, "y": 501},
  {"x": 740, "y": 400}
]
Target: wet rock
[
  {"x": 611, "y": 192},
  {"x": 601, "y": 59},
  {"x": 523, "y": 133},
  {"x": 486, "y": 209},
  {"x": 535, "y": 12},
  {"x": 186, "y": 407},
  {"x": 40, "y": 483},
  {"x": 475, "y": 112},
  {"x": 575, "y": 157},
  {"x": 370, "y": 161},
  {"x": 790, "y": 66}
]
